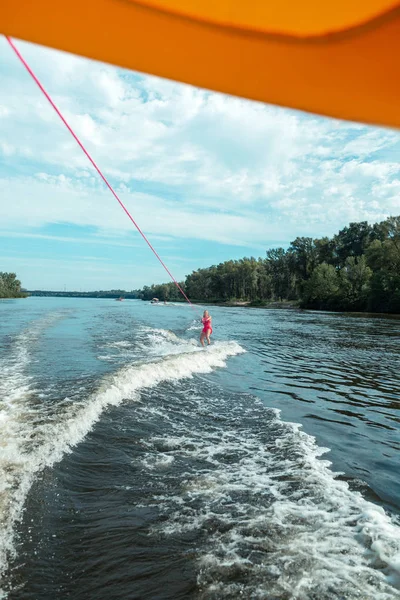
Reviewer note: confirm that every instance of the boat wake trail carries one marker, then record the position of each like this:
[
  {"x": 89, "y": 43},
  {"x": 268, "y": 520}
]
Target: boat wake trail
[
  {"x": 37, "y": 433},
  {"x": 268, "y": 517},
  {"x": 19, "y": 424}
]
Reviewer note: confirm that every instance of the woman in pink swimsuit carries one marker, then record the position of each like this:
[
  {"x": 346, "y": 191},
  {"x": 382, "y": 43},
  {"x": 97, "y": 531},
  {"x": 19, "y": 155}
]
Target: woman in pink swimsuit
[{"x": 207, "y": 328}]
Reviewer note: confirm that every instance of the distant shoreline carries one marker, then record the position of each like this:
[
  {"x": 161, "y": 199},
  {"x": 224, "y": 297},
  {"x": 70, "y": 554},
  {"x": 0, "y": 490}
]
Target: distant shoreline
[
  {"x": 243, "y": 304},
  {"x": 97, "y": 294},
  {"x": 294, "y": 306},
  {"x": 285, "y": 305},
  {"x": 277, "y": 305}
]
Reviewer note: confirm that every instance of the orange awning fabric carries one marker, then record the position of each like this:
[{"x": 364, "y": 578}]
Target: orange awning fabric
[{"x": 339, "y": 58}]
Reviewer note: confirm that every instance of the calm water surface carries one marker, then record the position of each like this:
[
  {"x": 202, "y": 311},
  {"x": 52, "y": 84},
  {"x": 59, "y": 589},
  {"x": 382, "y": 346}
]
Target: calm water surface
[{"x": 136, "y": 465}]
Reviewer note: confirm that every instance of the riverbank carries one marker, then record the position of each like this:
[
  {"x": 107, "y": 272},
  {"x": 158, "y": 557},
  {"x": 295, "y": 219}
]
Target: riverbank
[
  {"x": 258, "y": 304},
  {"x": 286, "y": 305},
  {"x": 240, "y": 303}
]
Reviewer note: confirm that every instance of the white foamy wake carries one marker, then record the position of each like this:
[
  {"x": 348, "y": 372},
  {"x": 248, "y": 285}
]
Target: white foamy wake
[
  {"x": 33, "y": 440},
  {"x": 121, "y": 344},
  {"x": 150, "y": 343},
  {"x": 162, "y": 342},
  {"x": 16, "y": 390},
  {"x": 196, "y": 325},
  {"x": 279, "y": 523},
  {"x": 268, "y": 517}
]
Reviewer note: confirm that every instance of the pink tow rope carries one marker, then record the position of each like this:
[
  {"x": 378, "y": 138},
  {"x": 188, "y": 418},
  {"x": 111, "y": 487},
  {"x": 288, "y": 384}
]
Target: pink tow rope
[{"x": 36, "y": 80}]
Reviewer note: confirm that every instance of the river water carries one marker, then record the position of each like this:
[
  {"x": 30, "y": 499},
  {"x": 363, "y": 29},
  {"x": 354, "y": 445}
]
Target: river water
[{"x": 136, "y": 465}]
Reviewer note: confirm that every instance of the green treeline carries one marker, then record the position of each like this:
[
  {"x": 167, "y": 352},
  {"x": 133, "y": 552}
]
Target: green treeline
[
  {"x": 358, "y": 269},
  {"x": 100, "y": 294},
  {"x": 10, "y": 286}
]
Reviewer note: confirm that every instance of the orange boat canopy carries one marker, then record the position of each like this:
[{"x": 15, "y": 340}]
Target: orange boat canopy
[{"x": 339, "y": 58}]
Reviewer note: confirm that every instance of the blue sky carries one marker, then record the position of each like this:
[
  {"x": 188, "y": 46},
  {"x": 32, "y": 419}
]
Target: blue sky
[{"x": 207, "y": 177}]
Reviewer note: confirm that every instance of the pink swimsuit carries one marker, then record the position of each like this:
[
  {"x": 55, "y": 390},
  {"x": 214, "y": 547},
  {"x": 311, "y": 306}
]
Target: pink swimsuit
[{"x": 207, "y": 325}]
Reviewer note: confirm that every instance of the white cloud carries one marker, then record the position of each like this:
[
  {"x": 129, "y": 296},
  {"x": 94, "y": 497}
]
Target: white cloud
[
  {"x": 370, "y": 142},
  {"x": 187, "y": 162},
  {"x": 59, "y": 199},
  {"x": 92, "y": 239},
  {"x": 375, "y": 169}
]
